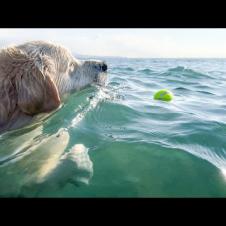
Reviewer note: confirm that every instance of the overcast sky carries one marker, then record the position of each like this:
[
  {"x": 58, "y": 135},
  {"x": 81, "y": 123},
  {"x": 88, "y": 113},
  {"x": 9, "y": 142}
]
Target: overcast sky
[{"x": 128, "y": 42}]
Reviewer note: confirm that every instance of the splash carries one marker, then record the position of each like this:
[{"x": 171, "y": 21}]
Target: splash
[{"x": 101, "y": 95}]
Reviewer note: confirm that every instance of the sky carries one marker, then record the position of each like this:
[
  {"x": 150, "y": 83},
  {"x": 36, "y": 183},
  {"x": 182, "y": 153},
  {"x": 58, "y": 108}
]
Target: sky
[{"x": 144, "y": 43}]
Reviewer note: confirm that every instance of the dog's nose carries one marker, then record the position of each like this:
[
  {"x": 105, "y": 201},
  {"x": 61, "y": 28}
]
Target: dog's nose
[{"x": 104, "y": 67}]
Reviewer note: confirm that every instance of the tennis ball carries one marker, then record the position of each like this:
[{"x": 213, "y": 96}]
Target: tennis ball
[{"x": 164, "y": 95}]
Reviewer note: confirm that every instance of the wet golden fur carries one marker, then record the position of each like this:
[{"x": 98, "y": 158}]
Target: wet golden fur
[{"x": 34, "y": 77}]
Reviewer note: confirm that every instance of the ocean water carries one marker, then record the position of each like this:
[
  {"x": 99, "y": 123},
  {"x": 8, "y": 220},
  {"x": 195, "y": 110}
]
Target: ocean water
[{"x": 116, "y": 141}]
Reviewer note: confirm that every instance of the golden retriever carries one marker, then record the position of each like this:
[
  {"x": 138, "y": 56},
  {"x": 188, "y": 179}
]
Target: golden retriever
[{"x": 35, "y": 76}]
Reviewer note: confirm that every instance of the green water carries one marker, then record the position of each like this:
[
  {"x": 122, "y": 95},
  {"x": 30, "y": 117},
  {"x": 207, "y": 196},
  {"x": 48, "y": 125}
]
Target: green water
[{"x": 135, "y": 146}]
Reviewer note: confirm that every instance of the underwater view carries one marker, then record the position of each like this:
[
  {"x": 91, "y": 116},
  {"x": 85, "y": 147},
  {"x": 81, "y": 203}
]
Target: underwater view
[{"x": 128, "y": 144}]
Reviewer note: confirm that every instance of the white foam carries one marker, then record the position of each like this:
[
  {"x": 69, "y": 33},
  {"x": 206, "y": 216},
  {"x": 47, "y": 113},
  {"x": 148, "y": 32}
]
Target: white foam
[{"x": 100, "y": 96}]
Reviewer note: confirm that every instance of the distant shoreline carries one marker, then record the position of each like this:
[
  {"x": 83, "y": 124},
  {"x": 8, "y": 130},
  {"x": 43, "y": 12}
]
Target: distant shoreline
[{"x": 152, "y": 58}]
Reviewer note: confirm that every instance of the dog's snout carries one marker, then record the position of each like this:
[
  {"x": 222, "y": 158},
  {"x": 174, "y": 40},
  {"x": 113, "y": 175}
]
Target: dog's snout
[{"x": 104, "y": 67}]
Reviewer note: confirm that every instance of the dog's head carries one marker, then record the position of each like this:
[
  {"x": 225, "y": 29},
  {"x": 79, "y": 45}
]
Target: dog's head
[
  {"x": 34, "y": 76},
  {"x": 89, "y": 72},
  {"x": 70, "y": 73},
  {"x": 80, "y": 74}
]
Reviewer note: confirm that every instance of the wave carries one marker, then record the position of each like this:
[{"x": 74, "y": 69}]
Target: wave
[
  {"x": 177, "y": 69},
  {"x": 146, "y": 71},
  {"x": 186, "y": 72},
  {"x": 123, "y": 69},
  {"x": 216, "y": 159},
  {"x": 181, "y": 89},
  {"x": 205, "y": 92}
]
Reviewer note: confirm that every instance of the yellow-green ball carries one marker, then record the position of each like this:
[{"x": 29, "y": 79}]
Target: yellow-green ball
[{"x": 164, "y": 95}]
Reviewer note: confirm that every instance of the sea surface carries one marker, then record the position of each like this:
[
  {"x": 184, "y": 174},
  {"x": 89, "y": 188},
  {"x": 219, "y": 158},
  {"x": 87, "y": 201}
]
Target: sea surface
[{"x": 117, "y": 141}]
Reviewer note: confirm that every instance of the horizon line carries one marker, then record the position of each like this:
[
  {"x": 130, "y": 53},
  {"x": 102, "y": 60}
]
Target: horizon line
[{"x": 91, "y": 55}]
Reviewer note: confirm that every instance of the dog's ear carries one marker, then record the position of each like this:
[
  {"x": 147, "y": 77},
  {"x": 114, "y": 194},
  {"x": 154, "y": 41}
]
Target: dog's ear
[
  {"x": 35, "y": 89},
  {"x": 7, "y": 100}
]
